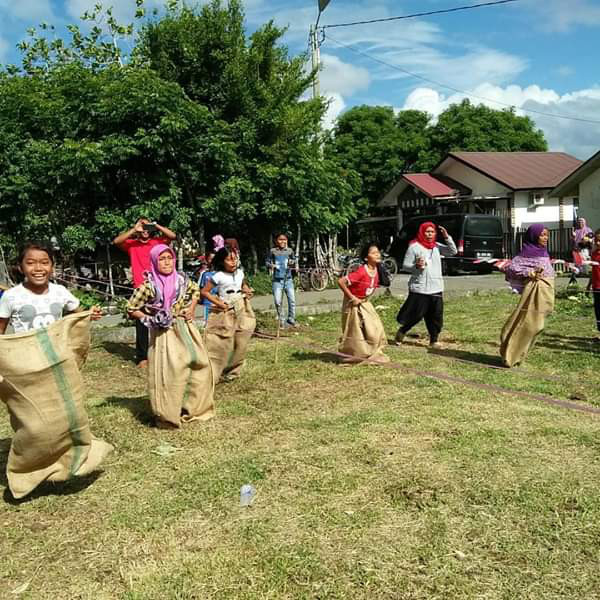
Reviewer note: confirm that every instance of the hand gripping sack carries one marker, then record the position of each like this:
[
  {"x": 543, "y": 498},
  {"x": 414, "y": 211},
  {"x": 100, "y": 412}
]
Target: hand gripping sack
[{"x": 43, "y": 391}]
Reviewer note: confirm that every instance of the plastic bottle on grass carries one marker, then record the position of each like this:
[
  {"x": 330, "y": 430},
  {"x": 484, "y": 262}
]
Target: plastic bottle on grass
[{"x": 247, "y": 493}]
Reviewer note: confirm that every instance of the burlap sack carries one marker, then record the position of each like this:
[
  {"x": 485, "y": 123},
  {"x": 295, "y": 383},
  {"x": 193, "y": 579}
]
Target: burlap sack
[
  {"x": 180, "y": 378},
  {"x": 363, "y": 332},
  {"x": 227, "y": 337},
  {"x": 527, "y": 321},
  {"x": 43, "y": 390}
]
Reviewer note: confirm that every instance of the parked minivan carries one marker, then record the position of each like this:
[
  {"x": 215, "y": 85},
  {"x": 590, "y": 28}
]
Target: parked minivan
[{"x": 475, "y": 236}]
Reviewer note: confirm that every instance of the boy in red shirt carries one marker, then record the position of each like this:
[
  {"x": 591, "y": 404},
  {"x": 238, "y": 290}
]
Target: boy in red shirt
[
  {"x": 138, "y": 242},
  {"x": 594, "y": 282}
]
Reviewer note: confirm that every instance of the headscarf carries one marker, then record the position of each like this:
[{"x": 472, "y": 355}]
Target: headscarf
[
  {"x": 165, "y": 285},
  {"x": 420, "y": 239},
  {"x": 531, "y": 247},
  {"x": 218, "y": 242},
  {"x": 583, "y": 231}
]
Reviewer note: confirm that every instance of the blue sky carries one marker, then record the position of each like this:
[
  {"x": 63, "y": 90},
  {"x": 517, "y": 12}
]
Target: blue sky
[{"x": 534, "y": 54}]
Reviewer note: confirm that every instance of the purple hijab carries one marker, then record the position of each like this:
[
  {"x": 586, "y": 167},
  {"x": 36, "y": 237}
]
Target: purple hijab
[
  {"x": 531, "y": 247},
  {"x": 583, "y": 231},
  {"x": 165, "y": 285}
]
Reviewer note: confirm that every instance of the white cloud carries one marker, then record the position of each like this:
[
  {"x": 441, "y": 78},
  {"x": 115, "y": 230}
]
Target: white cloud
[
  {"x": 565, "y": 71},
  {"x": 563, "y": 15},
  {"x": 343, "y": 78},
  {"x": 336, "y": 107},
  {"x": 581, "y": 139},
  {"x": 4, "y": 48},
  {"x": 123, "y": 10},
  {"x": 27, "y": 10}
]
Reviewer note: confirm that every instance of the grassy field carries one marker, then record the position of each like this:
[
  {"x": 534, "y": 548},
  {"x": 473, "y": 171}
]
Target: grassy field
[{"x": 372, "y": 482}]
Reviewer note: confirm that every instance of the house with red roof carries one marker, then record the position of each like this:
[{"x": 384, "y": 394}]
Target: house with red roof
[{"x": 519, "y": 187}]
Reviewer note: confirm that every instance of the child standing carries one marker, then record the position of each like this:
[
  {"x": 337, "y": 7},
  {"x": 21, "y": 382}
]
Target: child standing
[
  {"x": 179, "y": 375},
  {"x": 363, "y": 334},
  {"x": 426, "y": 284},
  {"x": 231, "y": 322},
  {"x": 281, "y": 262},
  {"x": 594, "y": 283},
  {"x": 40, "y": 378}
]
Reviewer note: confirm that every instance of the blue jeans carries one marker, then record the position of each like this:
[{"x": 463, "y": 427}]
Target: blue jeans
[{"x": 278, "y": 287}]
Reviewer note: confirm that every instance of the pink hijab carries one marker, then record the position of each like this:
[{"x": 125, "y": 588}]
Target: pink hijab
[{"x": 165, "y": 285}]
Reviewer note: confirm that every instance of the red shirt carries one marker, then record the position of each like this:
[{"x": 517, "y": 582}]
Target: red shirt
[
  {"x": 139, "y": 256},
  {"x": 361, "y": 284},
  {"x": 596, "y": 271}
]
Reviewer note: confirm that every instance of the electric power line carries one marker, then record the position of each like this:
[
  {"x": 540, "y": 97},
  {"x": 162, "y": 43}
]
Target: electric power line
[
  {"x": 459, "y": 91},
  {"x": 422, "y": 14}
]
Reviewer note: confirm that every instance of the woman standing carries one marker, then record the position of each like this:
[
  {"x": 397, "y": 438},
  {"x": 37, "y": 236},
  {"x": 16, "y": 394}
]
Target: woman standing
[
  {"x": 426, "y": 284},
  {"x": 530, "y": 274}
]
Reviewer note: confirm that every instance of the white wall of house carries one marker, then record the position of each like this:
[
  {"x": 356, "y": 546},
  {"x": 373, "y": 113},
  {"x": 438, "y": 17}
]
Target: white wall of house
[
  {"x": 589, "y": 199},
  {"x": 547, "y": 213},
  {"x": 480, "y": 184}
]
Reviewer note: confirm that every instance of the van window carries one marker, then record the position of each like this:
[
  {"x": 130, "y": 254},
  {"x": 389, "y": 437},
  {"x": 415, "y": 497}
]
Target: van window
[{"x": 483, "y": 227}]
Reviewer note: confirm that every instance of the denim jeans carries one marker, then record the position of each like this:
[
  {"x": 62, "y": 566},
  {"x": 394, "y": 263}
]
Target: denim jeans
[{"x": 278, "y": 287}]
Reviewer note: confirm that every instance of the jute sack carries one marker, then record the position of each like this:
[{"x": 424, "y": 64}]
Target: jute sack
[
  {"x": 227, "y": 337},
  {"x": 43, "y": 390},
  {"x": 363, "y": 332},
  {"x": 527, "y": 321},
  {"x": 180, "y": 378}
]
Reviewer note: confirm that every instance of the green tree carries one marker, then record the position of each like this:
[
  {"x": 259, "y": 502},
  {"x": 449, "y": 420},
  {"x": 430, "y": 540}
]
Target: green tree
[
  {"x": 279, "y": 178},
  {"x": 478, "y": 128},
  {"x": 378, "y": 145}
]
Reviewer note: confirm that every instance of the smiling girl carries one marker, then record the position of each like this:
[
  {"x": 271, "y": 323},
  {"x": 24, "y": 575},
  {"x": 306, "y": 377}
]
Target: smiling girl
[{"x": 37, "y": 302}]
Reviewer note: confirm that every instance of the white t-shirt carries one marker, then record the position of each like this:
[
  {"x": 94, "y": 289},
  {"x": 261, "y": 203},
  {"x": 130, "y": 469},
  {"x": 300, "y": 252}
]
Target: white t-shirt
[
  {"x": 229, "y": 285},
  {"x": 28, "y": 311}
]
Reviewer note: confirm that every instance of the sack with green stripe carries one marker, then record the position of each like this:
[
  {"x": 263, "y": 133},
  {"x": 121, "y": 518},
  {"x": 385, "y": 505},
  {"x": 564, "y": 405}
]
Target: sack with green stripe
[
  {"x": 42, "y": 387},
  {"x": 180, "y": 378}
]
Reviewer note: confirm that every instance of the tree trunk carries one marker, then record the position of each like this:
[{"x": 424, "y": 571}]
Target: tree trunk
[{"x": 254, "y": 254}]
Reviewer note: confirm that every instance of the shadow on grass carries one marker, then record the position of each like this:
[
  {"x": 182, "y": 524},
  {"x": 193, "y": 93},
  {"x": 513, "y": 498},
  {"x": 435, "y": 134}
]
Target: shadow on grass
[
  {"x": 51, "y": 488},
  {"x": 137, "y": 406},
  {"x": 120, "y": 349},
  {"x": 567, "y": 343},
  {"x": 327, "y": 357},
  {"x": 474, "y": 357},
  {"x": 47, "y": 488}
]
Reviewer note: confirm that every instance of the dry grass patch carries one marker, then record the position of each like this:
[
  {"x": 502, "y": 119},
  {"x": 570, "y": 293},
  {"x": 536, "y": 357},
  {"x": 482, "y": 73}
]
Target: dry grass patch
[{"x": 372, "y": 483}]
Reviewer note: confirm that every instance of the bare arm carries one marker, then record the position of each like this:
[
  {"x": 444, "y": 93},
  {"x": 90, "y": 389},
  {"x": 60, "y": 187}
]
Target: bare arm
[
  {"x": 136, "y": 314},
  {"x": 342, "y": 283},
  {"x": 215, "y": 300},
  {"x": 122, "y": 237},
  {"x": 3, "y": 325},
  {"x": 168, "y": 233}
]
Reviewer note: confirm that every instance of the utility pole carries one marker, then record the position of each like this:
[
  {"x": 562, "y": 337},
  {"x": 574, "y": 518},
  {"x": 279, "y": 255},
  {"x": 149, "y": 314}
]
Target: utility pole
[
  {"x": 315, "y": 53},
  {"x": 315, "y": 50}
]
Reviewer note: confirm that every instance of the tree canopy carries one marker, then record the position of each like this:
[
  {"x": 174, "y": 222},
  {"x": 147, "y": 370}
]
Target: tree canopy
[
  {"x": 381, "y": 145},
  {"x": 198, "y": 125}
]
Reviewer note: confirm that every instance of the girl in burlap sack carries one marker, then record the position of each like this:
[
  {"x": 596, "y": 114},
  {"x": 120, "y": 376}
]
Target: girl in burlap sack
[
  {"x": 231, "y": 322},
  {"x": 180, "y": 378},
  {"x": 363, "y": 334},
  {"x": 40, "y": 378},
  {"x": 530, "y": 274}
]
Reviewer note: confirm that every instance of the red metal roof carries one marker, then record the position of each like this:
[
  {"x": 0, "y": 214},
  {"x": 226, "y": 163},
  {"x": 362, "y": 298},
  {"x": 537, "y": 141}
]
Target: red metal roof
[
  {"x": 430, "y": 185},
  {"x": 521, "y": 170}
]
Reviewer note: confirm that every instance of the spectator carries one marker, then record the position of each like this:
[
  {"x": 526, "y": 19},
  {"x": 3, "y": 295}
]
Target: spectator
[{"x": 137, "y": 242}]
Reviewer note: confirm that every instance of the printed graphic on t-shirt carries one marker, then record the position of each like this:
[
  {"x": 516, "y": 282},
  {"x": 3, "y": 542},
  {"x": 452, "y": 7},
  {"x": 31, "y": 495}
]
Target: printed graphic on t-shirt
[{"x": 28, "y": 311}]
